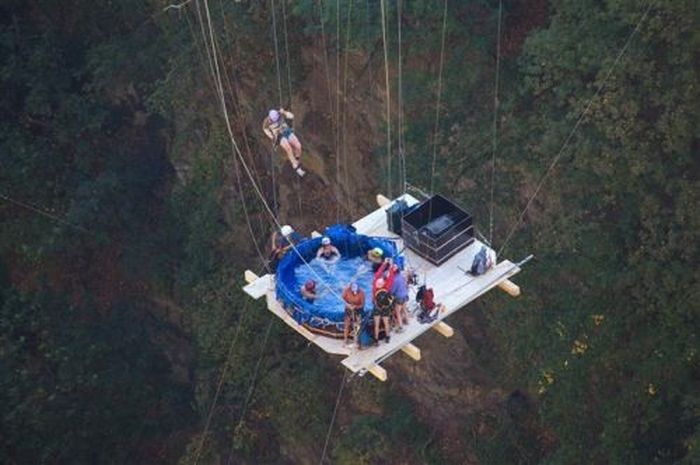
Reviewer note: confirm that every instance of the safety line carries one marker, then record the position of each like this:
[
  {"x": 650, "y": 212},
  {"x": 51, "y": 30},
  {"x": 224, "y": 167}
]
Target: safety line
[
  {"x": 335, "y": 412},
  {"x": 583, "y": 114},
  {"x": 237, "y": 151},
  {"x": 286, "y": 50},
  {"x": 222, "y": 377},
  {"x": 277, "y": 60},
  {"x": 251, "y": 388}
]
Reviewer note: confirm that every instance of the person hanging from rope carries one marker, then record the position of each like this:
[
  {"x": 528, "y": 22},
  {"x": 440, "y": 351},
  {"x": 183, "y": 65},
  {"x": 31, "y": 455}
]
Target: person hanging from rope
[
  {"x": 279, "y": 132},
  {"x": 354, "y": 299}
]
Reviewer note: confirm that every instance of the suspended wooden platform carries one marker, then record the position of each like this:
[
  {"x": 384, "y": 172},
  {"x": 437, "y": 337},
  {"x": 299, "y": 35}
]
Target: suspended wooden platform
[{"x": 452, "y": 287}]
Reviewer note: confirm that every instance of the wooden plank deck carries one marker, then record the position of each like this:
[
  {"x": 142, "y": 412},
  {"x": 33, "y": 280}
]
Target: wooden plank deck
[{"x": 453, "y": 288}]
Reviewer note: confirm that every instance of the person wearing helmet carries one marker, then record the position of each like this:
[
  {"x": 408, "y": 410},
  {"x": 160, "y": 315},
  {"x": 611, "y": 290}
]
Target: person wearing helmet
[
  {"x": 376, "y": 258},
  {"x": 328, "y": 251},
  {"x": 354, "y": 299},
  {"x": 279, "y": 132},
  {"x": 383, "y": 305},
  {"x": 308, "y": 291},
  {"x": 282, "y": 241}
]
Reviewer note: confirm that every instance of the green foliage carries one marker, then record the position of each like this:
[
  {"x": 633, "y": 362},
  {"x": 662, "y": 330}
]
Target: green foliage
[
  {"x": 378, "y": 439},
  {"x": 70, "y": 379}
]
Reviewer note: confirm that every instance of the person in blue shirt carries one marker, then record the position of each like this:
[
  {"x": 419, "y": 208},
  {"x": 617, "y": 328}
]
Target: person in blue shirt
[{"x": 399, "y": 289}]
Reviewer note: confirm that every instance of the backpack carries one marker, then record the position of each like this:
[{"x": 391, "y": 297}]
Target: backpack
[
  {"x": 419, "y": 294},
  {"x": 482, "y": 262},
  {"x": 383, "y": 299}
]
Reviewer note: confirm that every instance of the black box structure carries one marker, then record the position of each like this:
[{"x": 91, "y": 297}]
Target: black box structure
[{"x": 437, "y": 229}]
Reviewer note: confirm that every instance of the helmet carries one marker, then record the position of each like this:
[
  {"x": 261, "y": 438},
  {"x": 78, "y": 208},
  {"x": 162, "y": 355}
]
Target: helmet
[
  {"x": 286, "y": 230},
  {"x": 380, "y": 282},
  {"x": 376, "y": 252},
  {"x": 310, "y": 285},
  {"x": 274, "y": 115},
  {"x": 354, "y": 287},
  {"x": 326, "y": 241}
]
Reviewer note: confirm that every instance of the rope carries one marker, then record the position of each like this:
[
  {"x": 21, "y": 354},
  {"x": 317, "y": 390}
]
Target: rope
[
  {"x": 237, "y": 152},
  {"x": 251, "y": 387},
  {"x": 439, "y": 97},
  {"x": 495, "y": 120},
  {"x": 224, "y": 372},
  {"x": 46, "y": 214},
  {"x": 388, "y": 100},
  {"x": 583, "y": 114},
  {"x": 337, "y": 109},
  {"x": 345, "y": 93},
  {"x": 286, "y": 50},
  {"x": 335, "y": 411},
  {"x": 277, "y": 59},
  {"x": 402, "y": 154}
]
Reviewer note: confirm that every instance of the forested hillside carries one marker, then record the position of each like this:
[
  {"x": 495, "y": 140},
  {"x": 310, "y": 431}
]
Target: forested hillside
[{"x": 570, "y": 128}]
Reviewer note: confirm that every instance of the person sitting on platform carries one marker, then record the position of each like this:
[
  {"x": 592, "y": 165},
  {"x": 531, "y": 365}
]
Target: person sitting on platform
[
  {"x": 399, "y": 290},
  {"x": 328, "y": 251},
  {"x": 308, "y": 291},
  {"x": 282, "y": 241},
  {"x": 354, "y": 299},
  {"x": 429, "y": 310},
  {"x": 375, "y": 257},
  {"x": 383, "y": 304}
]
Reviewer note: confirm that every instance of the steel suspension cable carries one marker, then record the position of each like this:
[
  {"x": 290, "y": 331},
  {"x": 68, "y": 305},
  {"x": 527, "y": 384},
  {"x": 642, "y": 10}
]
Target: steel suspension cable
[
  {"x": 388, "y": 100},
  {"x": 439, "y": 97},
  {"x": 579, "y": 120},
  {"x": 494, "y": 140},
  {"x": 402, "y": 154}
]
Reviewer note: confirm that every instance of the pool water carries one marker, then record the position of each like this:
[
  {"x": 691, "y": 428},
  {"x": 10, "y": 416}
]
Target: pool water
[{"x": 336, "y": 276}]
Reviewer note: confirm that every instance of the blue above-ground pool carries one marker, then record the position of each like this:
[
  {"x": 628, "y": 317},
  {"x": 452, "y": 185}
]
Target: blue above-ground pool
[{"x": 326, "y": 313}]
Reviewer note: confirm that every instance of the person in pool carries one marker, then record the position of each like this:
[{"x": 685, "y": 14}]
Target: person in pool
[
  {"x": 308, "y": 291},
  {"x": 328, "y": 251},
  {"x": 354, "y": 299},
  {"x": 279, "y": 132}
]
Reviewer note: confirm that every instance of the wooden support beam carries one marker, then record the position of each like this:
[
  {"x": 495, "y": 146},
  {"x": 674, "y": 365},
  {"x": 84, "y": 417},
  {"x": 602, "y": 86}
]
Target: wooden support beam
[
  {"x": 315, "y": 234},
  {"x": 249, "y": 276},
  {"x": 509, "y": 287},
  {"x": 382, "y": 201},
  {"x": 444, "y": 329},
  {"x": 378, "y": 372},
  {"x": 412, "y": 351}
]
